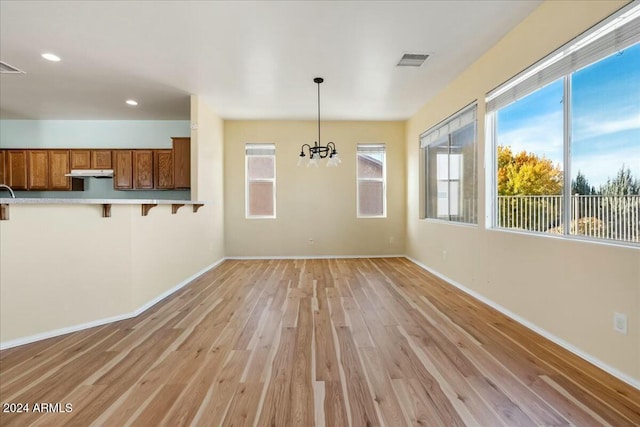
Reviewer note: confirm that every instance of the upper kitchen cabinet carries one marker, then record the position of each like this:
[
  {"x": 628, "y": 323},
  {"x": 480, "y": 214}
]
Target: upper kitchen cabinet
[
  {"x": 143, "y": 169},
  {"x": 123, "y": 169},
  {"x": 91, "y": 159},
  {"x": 38, "y": 169},
  {"x": 182, "y": 162},
  {"x": 16, "y": 169},
  {"x": 42, "y": 170},
  {"x": 101, "y": 159},
  {"x": 133, "y": 169},
  {"x": 80, "y": 159},
  {"x": 2, "y": 160},
  {"x": 163, "y": 169},
  {"x": 58, "y": 167}
]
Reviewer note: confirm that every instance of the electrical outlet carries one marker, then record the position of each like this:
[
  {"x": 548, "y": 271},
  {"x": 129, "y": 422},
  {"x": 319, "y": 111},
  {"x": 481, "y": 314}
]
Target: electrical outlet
[
  {"x": 444, "y": 255},
  {"x": 311, "y": 241},
  {"x": 620, "y": 323},
  {"x": 391, "y": 240}
]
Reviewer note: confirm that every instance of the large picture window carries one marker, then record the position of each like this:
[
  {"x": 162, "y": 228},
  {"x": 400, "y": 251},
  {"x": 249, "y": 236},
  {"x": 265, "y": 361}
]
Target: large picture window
[
  {"x": 566, "y": 139},
  {"x": 371, "y": 180},
  {"x": 260, "y": 173},
  {"x": 450, "y": 168}
]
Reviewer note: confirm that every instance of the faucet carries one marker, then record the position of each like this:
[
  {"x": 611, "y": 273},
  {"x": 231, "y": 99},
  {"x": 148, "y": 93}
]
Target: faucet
[{"x": 13, "y": 195}]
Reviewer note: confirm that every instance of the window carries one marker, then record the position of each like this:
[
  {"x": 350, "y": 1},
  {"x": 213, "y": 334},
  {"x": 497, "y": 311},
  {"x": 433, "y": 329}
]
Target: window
[
  {"x": 260, "y": 172},
  {"x": 450, "y": 168},
  {"x": 566, "y": 138},
  {"x": 371, "y": 180}
]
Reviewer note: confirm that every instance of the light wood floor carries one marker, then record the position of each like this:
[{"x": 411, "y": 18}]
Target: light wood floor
[{"x": 301, "y": 342}]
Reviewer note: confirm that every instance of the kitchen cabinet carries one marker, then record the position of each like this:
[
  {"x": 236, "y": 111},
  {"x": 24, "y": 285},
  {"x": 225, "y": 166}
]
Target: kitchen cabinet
[
  {"x": 2, "y": 167},
  {"x": 80, "y": 159},
  {"x": 133, "y": 169},
  {"x": 16, "y": 169},
  {"x": 91, "y": 159},
  {"x": 58, "y": 167},
  {"x": 182, "y": 162},
  {"x": 163, "y": 169},
  {"x": 38, "y": 169},
  {"x": 143, "y": 169},
  {"x": 123, "y": 169},
  {"x": 139, "y": 169},
  {"x": 101, "y": 159}
]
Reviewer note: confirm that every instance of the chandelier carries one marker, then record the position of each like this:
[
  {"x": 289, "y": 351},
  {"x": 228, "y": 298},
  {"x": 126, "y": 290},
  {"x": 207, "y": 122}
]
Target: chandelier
[{"x": 317, "y": 151}]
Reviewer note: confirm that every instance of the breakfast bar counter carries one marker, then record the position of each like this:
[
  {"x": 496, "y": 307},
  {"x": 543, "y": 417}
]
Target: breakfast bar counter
[{"x": 145, "y": 204}]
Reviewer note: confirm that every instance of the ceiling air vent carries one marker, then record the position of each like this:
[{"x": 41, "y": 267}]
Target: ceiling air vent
[
  {"x": 9, "y": 69},
  {"x": 412, "y": 59}
]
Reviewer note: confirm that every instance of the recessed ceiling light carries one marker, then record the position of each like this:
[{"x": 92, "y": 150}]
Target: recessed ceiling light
[
  {"x": 51, "y": 57},
  {"x": 132, "y": 102}
]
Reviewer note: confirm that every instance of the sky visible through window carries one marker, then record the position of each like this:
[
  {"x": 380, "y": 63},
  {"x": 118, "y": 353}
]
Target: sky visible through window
[{"x": 605, "y": 119}]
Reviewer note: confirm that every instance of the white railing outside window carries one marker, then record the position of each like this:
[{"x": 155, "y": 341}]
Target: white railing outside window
[{"x": 604, "y": 217}]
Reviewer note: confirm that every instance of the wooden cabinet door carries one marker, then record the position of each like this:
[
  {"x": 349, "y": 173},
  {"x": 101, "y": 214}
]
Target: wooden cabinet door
[
  {"x": 80, "y": 159},
  {"x": 182, "y": 162},
  {"x": 163, "y": 169},
  {"x": 100, "y": 159},
  {"x": 122, "y": 169},
  {"x": 16, "y": 169},
  {"x": 38, "y": 167},
  {"x": 58, "y": 167},
  {"x": 2, "y": 167},
  {"x": 143, "y": 169}
]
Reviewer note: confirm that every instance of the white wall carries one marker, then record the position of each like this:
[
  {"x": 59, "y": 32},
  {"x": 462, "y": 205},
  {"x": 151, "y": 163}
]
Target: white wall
[
  {"x": 317, "y": 203},
  {"x": 568, "y": 288}
]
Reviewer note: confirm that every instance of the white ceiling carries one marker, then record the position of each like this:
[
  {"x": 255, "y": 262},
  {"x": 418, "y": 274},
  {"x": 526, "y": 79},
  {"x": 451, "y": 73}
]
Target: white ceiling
[{"x": 249, "y": 60}]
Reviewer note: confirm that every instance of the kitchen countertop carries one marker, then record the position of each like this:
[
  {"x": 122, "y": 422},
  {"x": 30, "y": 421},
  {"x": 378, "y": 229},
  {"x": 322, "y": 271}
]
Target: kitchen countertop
[
  {"x": 57, "y": 201},
  {"x": 146, "y": 204}
]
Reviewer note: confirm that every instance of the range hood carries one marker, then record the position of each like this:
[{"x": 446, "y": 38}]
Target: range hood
[{"x": 90, "y": 173}]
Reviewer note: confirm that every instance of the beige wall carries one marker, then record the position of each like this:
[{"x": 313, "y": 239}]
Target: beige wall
[
  {"x": 317, "y": 203},
  {"x": 207, "y": 160},
  {"x": 62, "y": 266},
  {"x": 568, "y": 288}
]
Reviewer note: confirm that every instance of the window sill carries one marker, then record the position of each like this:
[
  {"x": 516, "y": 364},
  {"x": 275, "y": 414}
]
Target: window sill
[
  {"x": 568, "y": 237},
  {"x": 456, "y": 223}
]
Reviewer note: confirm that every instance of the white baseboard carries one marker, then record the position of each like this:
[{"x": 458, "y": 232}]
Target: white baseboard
[
  {"x": 316, "y": 256},
  {"x": 57, "y": 332},
  {"x": 176, "y": 288},
  {"x": 100, "y": 322},
  {"x": 548, "y": 335}
]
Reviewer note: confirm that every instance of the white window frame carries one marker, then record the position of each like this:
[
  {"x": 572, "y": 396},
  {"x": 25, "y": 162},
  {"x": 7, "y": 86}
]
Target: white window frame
[
  {"x": 363, "y": 148},
  {"x": 435, "y": 136},
  {"x": 617, "y": 32},
  {"x": 260, "y": 150}
]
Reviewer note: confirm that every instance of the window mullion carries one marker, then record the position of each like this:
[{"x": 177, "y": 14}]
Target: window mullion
[
  {"x": 566, "y": 184},
  {"x": 449, "y": 178}
]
